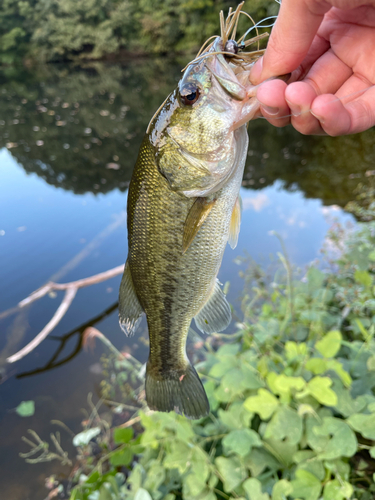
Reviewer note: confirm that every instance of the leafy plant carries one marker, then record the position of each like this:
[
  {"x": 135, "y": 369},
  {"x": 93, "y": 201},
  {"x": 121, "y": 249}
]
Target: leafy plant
[{"x": 291, "y": 394}]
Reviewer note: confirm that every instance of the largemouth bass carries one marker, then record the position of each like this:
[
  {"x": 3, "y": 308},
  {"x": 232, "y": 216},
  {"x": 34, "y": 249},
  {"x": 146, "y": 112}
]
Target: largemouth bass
[{"x": 183, "y": 208}]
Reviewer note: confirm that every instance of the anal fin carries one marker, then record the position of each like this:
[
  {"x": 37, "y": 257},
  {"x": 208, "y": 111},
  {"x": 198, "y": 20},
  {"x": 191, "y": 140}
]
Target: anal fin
[
  {"x": 130, "y": 310},
  {"x": 215, "y": 315},
  {"x": 235, "y": 223},
  {"x": 196, "y": 216}
]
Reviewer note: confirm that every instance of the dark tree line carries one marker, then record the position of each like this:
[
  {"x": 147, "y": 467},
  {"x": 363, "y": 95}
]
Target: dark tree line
[{"x": 55, "y": 30}]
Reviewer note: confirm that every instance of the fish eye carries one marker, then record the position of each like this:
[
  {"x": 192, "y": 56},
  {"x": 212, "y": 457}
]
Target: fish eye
[{"x": 189, "y": 94}]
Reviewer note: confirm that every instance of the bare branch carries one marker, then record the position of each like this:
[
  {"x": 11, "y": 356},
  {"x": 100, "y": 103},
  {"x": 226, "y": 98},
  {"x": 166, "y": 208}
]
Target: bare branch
[
  {"x": 64, "y": 306},
  {"x": 91, "y": 280},
  {"x": 71, "y": 290}
]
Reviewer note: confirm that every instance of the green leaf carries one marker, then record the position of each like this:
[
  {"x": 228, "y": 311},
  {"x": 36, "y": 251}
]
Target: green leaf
[
  {"x": 105, "y": 492},
  {"x": 84, "y": 437},
  {"x": 193, "y": 485},
  {"x": 235, "y": 417},
  {"x": 210, "y": 388},
  {"x": 231, "y": 471},
  {"x": 371, "y": 363},
  {"x": 178, "y": 456},
  {"x": 346, "y": 405},
  {"x": 294, "y": 350},
  {"x": 364, "y": 424},
  {"x": 135, "y": 477},
  {"x": 26, "y": 409},
  {"x": 363, "y": 277},
  {"x": 330, "y": 344},
  {"x": 253, "y": 488},
  {"x": 121, "y": 457},
  {"x": 284, "y": 385},
  {"x": 142, "y": 494},
  {"x": 319, "y": 388},
  {"x": 250, "y": 378},
  {"x": 306, "y": 485},
  {"x": 282, "y": 450},
  {"x": 260, "y": 459},
  {"x": 264, "y": 404},
  {"x": 232, "y": 382},
  {"x": 285, "y": 423},
  {"x": 281, "y": 490},
  {"x": 155, "y": 476},
  {"x": 342, "y": 440},
  {"x": 316, "y": 442},
  {"x": 337, "y": 367},
  {"x": 241, "y": 441},
  {"x": 316, "y": 365},
  {"x": 121, "y": 436},
  {"x": 334, "y": 490}
]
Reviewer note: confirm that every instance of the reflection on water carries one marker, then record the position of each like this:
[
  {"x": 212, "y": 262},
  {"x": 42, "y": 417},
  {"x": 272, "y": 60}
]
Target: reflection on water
[{"x": 79, "y": 129}]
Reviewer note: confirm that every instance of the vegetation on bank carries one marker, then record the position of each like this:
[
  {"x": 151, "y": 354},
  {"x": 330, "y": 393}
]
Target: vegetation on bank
[
  {"x": 55, "y": 30},
  {"x": 291, "y": 394}
]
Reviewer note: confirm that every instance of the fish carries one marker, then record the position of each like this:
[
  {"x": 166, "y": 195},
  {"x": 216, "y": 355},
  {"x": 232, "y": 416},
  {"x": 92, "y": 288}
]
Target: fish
[{"x": 183, "y": 208}]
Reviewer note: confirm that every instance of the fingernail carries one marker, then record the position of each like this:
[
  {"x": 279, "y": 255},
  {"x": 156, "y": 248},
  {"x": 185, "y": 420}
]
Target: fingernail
[
  {"x": 270, "y": 110},
  {"x": 320, "y": 118},
  {"x": 256, "y": 72},
  {"x": 294, "y": 109}
]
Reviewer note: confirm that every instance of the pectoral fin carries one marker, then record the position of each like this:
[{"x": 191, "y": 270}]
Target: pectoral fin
[
  {"x": 215, "y": 315},
  {"x": 197, "y": 215},
  {"x": 235, "y": 223},
  {"x": 130, "y": 310}
]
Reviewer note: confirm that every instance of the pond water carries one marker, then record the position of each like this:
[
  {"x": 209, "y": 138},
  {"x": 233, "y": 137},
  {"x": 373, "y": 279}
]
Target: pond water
[{"x": 69, "y": 137}]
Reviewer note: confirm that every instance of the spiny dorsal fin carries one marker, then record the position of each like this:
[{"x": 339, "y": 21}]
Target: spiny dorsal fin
[
  {"x": 197, "y": 215},
  {"x": 215, "y": 315},
  {"x": 235, "y": 222},
  {"x": 130, "y": 310}
]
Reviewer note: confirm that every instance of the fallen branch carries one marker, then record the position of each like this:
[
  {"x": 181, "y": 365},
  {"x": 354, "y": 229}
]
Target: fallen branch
[
  {"x": 92, "y": 280},
  {"x": 64, "y": 306},
  {"x": 71, "y": 291}
]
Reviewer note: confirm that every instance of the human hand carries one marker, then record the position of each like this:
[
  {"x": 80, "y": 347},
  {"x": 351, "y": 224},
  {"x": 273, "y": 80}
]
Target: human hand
[{"x": 329, "y": 46}]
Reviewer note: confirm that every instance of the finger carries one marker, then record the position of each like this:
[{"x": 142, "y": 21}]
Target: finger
[
  {"x": 300, "y": 96},
  {"x": 338, "y": 118},
  {"x": 353, "y": 88},
  {"x": 328, "y": 74},
  {"x": 274, "y": 108},
  {"x": 290, "y": 39}
]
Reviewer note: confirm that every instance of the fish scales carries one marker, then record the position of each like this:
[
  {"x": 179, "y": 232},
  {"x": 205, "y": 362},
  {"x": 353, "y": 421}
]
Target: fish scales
[{"x": 171, "y": 286}]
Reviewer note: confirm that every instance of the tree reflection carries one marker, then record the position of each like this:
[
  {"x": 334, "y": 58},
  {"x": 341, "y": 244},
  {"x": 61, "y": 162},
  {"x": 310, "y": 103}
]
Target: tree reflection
[{"x": 80, "y": 128}]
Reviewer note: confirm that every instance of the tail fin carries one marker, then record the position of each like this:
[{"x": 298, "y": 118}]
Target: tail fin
[{"x": 180, "y": 391}]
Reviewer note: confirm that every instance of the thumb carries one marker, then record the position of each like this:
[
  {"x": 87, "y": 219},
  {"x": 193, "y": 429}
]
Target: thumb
[{"x": 291, "y": 37}]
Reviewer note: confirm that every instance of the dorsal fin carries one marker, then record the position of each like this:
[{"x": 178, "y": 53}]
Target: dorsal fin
[{"x": 196, "y": 216}]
